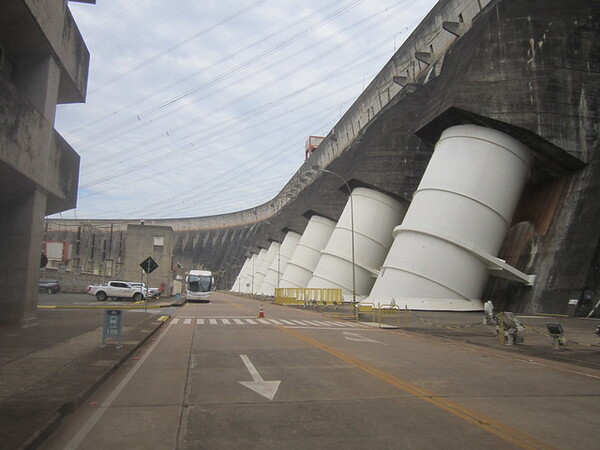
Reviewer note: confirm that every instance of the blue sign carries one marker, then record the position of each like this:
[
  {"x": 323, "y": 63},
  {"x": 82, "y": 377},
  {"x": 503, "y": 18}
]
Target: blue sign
[{"x": 112, "y": 325}]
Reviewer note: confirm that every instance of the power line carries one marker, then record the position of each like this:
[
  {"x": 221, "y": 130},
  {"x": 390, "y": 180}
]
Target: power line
[
  {"x": 142, "y": 146},
  {"x": 144, "y": 115}
]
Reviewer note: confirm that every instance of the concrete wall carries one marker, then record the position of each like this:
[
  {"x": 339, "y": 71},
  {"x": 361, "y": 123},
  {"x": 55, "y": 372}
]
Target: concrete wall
[
  {"x": 528, "y": 69},
  {"x": 140, "y": 245},
  {"x": 43, "y": 61}
]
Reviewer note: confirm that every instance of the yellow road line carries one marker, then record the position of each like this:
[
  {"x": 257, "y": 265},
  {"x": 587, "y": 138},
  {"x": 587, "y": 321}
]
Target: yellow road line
[
  {"x": 492, "y": 426},
  {"x": 232, "y": 303}
]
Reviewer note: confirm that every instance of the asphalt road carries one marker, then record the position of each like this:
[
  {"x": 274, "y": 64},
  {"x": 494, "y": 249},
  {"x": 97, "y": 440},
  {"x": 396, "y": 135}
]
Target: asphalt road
[{"x": 216, "y": 376}]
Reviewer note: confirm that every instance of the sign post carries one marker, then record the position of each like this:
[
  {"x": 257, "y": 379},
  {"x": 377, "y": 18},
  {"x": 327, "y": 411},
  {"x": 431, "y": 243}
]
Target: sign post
[
  {"x": 148, "y": 265},
  {"x": 113, "y": 326}
]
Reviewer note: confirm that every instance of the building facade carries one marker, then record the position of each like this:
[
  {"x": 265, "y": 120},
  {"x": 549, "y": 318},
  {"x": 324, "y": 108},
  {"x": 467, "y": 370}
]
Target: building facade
[{"x": 43, "y": 62}]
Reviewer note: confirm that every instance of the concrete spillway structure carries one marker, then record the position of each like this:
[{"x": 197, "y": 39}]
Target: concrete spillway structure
[
  {"x": 286, "y": 250},
  {"x": 250, "y": 278},
  {"x": 301, "y": 265},
  {"x": 244, "y": 276},
  {"x": 368, "y": 219},
  {"x": 261, "y": 270},
  {"x": 456, "y": 222},
  {"x": 239, "y": 280}
]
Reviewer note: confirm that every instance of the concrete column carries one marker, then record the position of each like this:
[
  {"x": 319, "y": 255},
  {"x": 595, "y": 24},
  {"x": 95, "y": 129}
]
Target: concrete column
[
  {"x": 38, "y": 79},
  {"x": 21, "y": 228}
]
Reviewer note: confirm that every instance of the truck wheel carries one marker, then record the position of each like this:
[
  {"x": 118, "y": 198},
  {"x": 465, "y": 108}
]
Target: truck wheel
[
  {"x": 137, "y": 297},
  {"x": 101, "y": 296}
]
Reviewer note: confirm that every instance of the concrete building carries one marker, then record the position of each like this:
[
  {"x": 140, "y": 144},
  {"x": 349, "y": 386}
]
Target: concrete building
[
  {"x": 147, "y": 241},
  {"x": 527, "y": 69},
  {"x": 43, "y": 62}
]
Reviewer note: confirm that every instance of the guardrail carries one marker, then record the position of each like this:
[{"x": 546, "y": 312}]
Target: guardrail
[
  {"x": 308, "y": 297},
  {"x": 379, "y": 313}
]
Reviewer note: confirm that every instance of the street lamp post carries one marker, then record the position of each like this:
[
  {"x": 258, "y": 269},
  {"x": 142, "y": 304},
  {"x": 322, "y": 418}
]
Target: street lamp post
[{"x": 351, "y": 232}]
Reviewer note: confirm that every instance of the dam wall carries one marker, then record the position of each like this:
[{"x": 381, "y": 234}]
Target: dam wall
[{"x": 530, "y": 70}]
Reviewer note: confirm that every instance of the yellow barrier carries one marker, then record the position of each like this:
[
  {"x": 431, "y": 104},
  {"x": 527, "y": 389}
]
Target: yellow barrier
[
  {"x": 388, "y": 311},
  {"x": 365, "y": 309},
  {"x": 308, "y": 297},
  {"x": 379, "y": 312}
]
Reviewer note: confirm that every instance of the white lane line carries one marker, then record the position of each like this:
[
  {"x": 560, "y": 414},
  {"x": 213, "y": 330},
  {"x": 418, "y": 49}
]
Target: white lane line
[
  {"x": 175, "y": 321},
  {"x": 106, "y": 404},
  {"x": 238, "y": 321},
  {"x": 349, "y": 324},
  {"x": 276, "y": 322},
  {"x": 187, "y": 321},
  {"x": 199, "y": 321},
  {"x": 226, "y": 321},
  {"x": 264, "y": 321},
  {"x": 250, "y": 321},
  {"x": 212, "y": 321},
  {"x": 335, "y": 324},
  {"x": 298, "y": 322},
  {"x": 287, "y": 322}
]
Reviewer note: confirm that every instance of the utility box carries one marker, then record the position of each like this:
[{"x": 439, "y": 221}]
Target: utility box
[{"x": 311, "y": 144}]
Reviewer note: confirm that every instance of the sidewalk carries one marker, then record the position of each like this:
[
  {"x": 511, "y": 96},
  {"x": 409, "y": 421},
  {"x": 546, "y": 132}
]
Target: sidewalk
[
  {"x": 582, "y": 346},
  {"x": 48, "y": 370}
]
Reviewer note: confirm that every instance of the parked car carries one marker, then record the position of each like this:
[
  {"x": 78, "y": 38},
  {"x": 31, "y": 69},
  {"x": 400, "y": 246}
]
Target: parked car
[
  {"x": 150, "y": 292},
  {"x": 116, "y": 290},
  {"x": 49, "y": 286}
]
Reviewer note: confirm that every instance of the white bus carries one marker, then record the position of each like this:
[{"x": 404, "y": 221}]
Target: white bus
[{"x": 198, "y": 285}]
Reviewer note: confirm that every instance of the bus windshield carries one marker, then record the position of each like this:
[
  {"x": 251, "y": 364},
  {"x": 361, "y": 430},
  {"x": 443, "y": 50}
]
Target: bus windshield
[{"x": 199, "y": 283}]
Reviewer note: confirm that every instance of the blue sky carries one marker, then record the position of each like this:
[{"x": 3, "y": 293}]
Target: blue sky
[{"x": 202, "y": 108}]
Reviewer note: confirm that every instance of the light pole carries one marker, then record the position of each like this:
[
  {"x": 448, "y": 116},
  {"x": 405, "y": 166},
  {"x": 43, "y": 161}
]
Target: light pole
[{"x": 351, "y": 232}]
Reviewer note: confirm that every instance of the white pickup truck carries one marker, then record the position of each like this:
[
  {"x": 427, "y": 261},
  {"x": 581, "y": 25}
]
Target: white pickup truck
[{"x": 116, "y": 289}]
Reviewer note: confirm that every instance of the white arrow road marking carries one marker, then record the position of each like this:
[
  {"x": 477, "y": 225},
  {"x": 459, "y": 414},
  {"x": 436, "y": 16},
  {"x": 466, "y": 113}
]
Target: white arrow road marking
[
  {"x": 267, "y": 389},
  {"x": 358, "y": 338}
]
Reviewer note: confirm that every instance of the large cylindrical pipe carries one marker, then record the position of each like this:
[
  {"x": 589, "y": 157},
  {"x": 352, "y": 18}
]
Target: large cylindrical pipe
[
  {"x": 375, "y": 216},
  {"x": 261, "y": 271},
  {"x": 247, "y": 274},
  {"x": 279, "y": 264},
  {"x": 461, "y": 210},
  {"x": 251, "y": 280},
  {"x": 301, "y": 265},
  {"x": 237, "y": 284}
]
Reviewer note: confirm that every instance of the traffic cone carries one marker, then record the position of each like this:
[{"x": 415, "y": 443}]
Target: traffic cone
[{"x": 261, "y": 313}]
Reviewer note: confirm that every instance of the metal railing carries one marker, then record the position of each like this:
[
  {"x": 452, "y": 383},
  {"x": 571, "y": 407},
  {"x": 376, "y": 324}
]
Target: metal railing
[{"x": 308, "y": 297}]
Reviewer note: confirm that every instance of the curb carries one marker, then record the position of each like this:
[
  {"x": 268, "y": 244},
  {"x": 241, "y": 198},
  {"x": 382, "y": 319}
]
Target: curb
[
  {"x": 69, "y": 406},
  {"x": 162, "y": 305}
]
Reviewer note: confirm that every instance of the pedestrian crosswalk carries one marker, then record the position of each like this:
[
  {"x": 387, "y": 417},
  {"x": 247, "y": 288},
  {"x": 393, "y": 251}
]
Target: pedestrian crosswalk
[{"x": 238, "y": 321}]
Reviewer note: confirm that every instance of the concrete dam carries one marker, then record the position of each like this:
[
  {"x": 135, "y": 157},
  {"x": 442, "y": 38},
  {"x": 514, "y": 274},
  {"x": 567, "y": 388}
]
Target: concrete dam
[{"x": 468, "y": 170}]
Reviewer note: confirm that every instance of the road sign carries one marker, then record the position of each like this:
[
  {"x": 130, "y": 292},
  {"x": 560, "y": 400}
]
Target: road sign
[
  {"x": 149, "y": 265},
  {"x": 112, "y": 325}
]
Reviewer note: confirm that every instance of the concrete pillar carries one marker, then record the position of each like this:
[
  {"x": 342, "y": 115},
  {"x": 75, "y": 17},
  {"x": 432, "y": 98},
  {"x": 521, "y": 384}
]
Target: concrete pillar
[
  {"x": 21, "y": 228},
  {"x": 38, "y": 79}
]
